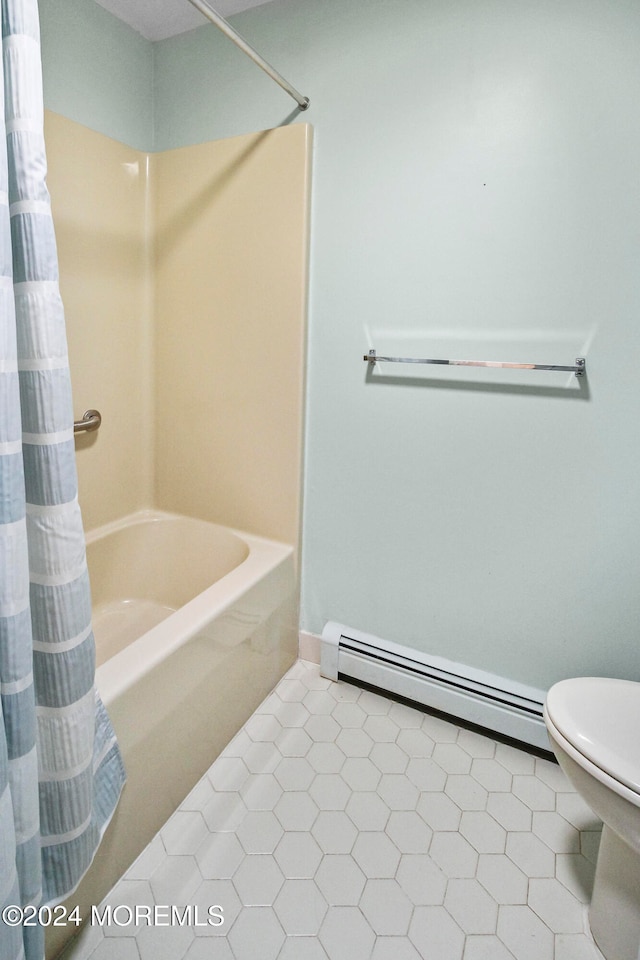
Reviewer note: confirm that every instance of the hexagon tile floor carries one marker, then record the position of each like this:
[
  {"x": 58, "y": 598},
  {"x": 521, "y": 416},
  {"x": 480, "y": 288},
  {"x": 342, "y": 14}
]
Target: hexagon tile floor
[{"x": 340, "y": 825}]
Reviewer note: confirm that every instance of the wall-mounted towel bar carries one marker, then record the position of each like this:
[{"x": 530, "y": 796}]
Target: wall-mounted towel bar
[
  {"x": 91, "y": 420},
  {"x": 579, "y": 368}
]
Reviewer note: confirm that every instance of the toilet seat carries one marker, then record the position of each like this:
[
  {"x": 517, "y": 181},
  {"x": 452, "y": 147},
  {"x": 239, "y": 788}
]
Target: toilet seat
[{"x": 599, "y": 718}]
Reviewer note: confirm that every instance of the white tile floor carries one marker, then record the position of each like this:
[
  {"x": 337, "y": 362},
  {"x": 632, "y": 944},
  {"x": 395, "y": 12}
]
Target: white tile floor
[{"x": 340, "y": 825}]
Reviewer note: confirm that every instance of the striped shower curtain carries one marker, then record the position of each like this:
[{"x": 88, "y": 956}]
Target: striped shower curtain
[{"x": 60, "y": 769}]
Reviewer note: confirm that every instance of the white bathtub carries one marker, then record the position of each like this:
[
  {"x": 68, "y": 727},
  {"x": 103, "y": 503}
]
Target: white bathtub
[
  {"x": 159, "y": 580},
  {"x": 194, "y": 625}
]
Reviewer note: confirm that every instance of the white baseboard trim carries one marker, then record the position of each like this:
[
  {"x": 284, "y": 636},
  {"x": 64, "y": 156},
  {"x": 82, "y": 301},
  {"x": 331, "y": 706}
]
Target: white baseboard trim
[{"x": 309, "y": 645}]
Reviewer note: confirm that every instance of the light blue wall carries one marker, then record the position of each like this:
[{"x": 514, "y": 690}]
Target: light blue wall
[
  {"x": 205, "y": 88},
  {"x": 475, "y": 194},
  {"x": 97, "y": 71}
]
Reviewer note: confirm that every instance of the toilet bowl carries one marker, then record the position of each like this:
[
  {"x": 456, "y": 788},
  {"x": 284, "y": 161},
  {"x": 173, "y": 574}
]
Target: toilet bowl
[{"x": 594, "y": 729}]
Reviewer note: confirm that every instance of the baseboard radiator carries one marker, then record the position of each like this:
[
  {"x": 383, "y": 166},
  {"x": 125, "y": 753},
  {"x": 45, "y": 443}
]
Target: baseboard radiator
[{"x": 494, "y": 703}]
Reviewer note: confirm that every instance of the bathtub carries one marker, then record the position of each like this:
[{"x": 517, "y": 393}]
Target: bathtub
[{"x": 194, "y": 625}]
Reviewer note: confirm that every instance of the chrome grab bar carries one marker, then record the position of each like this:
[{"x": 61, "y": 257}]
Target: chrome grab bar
[
  {"x": 91, "y": 420},
  {"x": 579, "y": 368}
]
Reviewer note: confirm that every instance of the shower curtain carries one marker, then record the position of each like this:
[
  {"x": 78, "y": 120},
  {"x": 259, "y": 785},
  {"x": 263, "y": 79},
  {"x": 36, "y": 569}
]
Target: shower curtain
[{"x": 60, "y": 769}]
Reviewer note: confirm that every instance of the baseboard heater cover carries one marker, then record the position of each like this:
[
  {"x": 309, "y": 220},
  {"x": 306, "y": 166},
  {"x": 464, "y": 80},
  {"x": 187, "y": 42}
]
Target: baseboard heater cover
[{"x": 495, "y": 703}]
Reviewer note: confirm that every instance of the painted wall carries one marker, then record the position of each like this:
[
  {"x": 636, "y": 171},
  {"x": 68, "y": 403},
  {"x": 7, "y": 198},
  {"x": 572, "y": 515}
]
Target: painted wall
[
  {"x": 97, "y": 70},
  {"x": 475, "y": 194}
]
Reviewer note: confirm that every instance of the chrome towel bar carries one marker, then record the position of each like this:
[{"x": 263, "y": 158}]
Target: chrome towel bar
[
  {"x": 91, "y": 420},
  {"x": 579, "y": 368}
]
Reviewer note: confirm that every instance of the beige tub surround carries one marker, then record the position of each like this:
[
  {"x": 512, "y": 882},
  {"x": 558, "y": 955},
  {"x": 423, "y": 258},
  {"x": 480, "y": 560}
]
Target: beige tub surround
[
  {"x": 231, "y": 279},
  {"x": 184, "y": 279},
  {"x": 100, "y": 201}
]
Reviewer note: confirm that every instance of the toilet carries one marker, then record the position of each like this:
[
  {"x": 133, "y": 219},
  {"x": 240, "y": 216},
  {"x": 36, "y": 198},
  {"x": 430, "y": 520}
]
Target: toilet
[{"x": 594, "y": 728}]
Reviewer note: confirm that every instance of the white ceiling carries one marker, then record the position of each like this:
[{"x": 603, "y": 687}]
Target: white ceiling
[{"x": 159, "y": 19}]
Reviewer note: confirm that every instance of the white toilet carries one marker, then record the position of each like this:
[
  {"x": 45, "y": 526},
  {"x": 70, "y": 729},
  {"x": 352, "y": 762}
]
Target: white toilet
[{"x": 594, "y": 727}]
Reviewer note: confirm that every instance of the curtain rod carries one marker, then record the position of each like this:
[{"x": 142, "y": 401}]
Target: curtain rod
[{"x": 227, "y": 29}]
